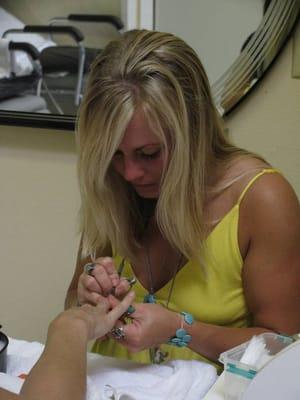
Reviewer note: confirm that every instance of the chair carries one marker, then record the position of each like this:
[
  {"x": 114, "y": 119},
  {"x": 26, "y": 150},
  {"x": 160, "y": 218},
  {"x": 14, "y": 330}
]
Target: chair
[
  {"x": 64, "y": 67},
  {"x": 21, "y": 91}
]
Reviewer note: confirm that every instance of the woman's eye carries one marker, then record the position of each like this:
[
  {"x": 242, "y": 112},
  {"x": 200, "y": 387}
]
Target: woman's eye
[{"x": 153, "y": 155}]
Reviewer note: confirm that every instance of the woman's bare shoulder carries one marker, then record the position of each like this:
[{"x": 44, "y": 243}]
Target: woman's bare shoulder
[
  {"x": 272, "y": 201},
  {"x": 240, "y": 170},
  {"x": 271, "y": 186},
  {"x": 269, "y": 196},
  {"x": 246, "y": 166}
]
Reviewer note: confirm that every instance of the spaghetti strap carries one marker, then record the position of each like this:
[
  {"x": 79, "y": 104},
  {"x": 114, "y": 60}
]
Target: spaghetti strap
[{"x": 250, "y": 183}]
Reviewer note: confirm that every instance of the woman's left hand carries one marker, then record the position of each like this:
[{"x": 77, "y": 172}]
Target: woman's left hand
[
  {"x": 151, "y": 325},
  {"x": 94, "y": 321}
]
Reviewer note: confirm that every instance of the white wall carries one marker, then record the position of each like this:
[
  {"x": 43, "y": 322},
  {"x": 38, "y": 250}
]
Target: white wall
[{"x": 38, "y": 209}]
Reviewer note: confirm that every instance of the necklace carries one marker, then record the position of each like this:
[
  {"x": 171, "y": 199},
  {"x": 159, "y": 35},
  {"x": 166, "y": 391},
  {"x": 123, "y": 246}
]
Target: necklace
[
  {"x": 150, "y": 297},
  {"x": 157, "y": 355}
]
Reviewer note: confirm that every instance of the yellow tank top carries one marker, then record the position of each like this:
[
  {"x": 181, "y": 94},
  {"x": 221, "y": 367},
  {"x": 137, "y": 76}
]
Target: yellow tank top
[{"x": 215, "y": 298}]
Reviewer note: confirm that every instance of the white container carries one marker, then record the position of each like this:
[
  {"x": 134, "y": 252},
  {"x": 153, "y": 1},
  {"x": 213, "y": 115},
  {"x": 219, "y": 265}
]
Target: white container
[{"x": 237, "y": 375}]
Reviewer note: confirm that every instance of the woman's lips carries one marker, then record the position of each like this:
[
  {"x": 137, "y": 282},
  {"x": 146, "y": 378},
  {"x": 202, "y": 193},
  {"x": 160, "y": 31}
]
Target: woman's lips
[
  {"x": 149, "y": 190},
  {"x": 147, "y": 185}
]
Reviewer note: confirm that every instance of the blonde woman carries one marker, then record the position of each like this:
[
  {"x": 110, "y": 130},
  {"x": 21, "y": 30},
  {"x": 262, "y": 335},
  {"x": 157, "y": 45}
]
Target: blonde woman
[{"x": 210, "y": 232}]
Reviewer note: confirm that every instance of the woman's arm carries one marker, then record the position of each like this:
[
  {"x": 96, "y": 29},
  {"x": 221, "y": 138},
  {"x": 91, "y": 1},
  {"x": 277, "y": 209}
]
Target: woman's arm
[
  {"x": 60, "y": 373},
  {"x": 5, "y": 395},
  {"x": 271, "y": 271}
]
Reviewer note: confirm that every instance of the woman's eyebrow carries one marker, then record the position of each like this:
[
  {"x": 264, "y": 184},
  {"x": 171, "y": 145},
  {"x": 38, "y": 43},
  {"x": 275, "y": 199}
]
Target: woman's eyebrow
[
  {"x": 147, "y": 145},
  {"x": 139, "y": 148}
]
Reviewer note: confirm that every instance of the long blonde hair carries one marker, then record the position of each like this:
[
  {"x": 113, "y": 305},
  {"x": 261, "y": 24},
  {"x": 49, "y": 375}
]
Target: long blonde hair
[{"x": 160, "y": 74}]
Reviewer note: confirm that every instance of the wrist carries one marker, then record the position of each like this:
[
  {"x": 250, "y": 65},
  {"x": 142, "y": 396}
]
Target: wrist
[
  {"x": 182, "y": 338},
  {"x": 176, "y": 320},
  {"x": 67, "y": 327}
]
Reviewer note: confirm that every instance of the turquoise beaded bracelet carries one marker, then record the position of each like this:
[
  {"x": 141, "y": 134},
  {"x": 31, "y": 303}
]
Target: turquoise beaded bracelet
[{"x": 182, "y": 338}]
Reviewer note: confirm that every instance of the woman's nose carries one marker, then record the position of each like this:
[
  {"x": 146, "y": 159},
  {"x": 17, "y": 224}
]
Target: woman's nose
[{"x": 132, "y": 170}]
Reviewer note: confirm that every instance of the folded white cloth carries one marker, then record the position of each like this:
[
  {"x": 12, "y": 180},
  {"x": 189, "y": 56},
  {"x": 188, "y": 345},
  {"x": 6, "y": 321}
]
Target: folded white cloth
[
  {"x": 114, "y": 379},
  {"x": 124, "y": 380},
  {"x": 21, "y": 356},
  {"x": 4, "y": 59},
  {"x": 10, "y": 383},
  {"x": 216, "y": 392}
]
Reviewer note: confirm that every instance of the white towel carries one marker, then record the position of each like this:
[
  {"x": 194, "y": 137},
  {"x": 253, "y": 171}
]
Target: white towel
[
  {"x": 4, "y": 59},
  {"x": 217, "y": 390},
  {"x": 21, "y": 356},
  {"x": 10, "y": 383},
  {"x": 114, "y": 379}
]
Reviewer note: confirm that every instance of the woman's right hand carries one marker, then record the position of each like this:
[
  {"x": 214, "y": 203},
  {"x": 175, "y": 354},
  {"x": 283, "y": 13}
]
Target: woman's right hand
[{"x": 102, "y": 281}]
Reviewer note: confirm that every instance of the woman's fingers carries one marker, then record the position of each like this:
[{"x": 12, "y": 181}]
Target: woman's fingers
[
  {"x": 113, "y": 302},
  {"x": 88, "y": 290},
  {"x": 105, "y": 274},
  {"x": 122, "y": 288},
  {"x": 90, "y": 283},
  {"x": 107, "y": 263},
  {"x": 105, "y": 320},
  {"x": 94, "y": 298},
  {"x": 101, "y": 280},
  {"x": 106, "y": 314},
  {"x": 120, "y": 308}
]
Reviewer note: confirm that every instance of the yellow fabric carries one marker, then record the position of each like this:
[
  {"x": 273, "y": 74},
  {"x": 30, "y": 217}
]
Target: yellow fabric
[{"x": 216, "y": 298}]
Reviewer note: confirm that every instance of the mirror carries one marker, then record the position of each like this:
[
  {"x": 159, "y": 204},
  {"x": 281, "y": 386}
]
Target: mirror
[{"x": 52, "y": 79}]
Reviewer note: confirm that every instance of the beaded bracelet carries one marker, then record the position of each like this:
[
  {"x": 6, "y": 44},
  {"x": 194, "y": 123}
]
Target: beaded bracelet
[{"x": 182, "y": 338}]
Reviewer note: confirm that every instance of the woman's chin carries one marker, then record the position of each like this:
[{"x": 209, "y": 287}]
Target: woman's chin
[{"x": 147, "y": 191}]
